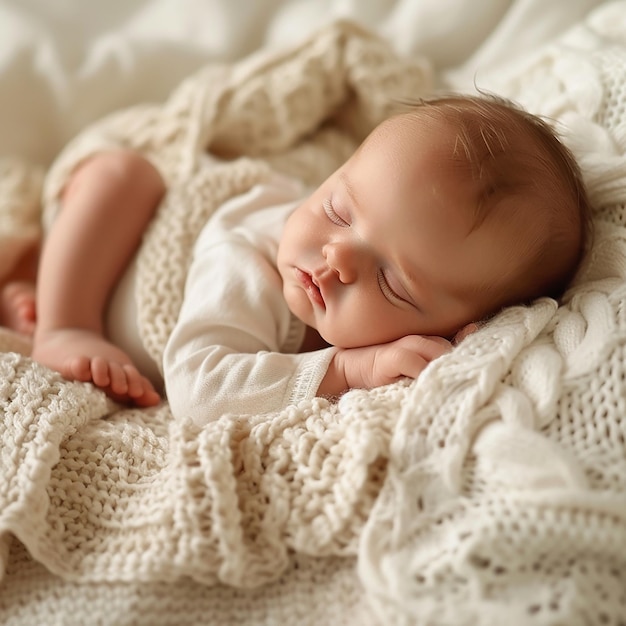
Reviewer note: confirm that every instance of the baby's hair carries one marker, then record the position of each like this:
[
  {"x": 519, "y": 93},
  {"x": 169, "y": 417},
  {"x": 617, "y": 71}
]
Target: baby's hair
[{"x": 513, "y": 153}]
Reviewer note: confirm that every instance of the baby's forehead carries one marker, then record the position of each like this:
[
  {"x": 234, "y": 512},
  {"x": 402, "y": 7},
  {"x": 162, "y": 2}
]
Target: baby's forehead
[
  {"x": 490, "y": 152},
  {"x": 485, "y": 154},
  {"x": 469, "y": 131}
]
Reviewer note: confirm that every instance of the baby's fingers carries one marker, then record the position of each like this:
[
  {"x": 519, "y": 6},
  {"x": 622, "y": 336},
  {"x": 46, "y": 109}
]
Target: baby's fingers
[
  {"x": 468, "y": 329},
  {"x": 429, "y": 347},
  {"x": 410, "y": 355}
]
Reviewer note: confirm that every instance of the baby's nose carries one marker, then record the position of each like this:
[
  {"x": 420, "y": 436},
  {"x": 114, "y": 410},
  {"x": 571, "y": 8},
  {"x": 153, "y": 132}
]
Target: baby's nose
[{"x": 342, "y": 259}]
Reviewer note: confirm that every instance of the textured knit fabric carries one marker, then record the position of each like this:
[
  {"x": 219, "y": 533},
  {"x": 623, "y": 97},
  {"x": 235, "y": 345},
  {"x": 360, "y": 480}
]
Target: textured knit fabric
[{"x": 490, "y": 491}]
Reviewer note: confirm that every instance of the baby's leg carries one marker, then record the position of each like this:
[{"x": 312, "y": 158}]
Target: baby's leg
[{"x": 105, "y": 209}]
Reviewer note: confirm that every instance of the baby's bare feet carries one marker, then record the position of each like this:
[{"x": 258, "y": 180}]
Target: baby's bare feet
[
  {"x": 17, "y": 307},
  {"x": 88, "y": 357}
]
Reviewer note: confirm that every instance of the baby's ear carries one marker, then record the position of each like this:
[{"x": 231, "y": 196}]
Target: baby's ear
[{"x": 468, "y": 329}]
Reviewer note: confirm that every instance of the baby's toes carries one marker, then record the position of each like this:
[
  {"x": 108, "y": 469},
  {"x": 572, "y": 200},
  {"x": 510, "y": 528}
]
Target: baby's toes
[
  {"x": 77, "y": 368},
  {"x": 140, "y": 389},
  {"x": 100, "y": 372},
  {"x": 27, "y": 309},
  {"x": 149, "y": 397},
  {"x": 117, "y": 375},
  {"x": 134, "y": 380}
]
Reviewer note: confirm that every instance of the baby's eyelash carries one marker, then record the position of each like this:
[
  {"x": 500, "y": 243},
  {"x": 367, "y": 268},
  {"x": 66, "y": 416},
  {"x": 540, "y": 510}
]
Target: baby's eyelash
[
  {"x": 388, "y": 292},
  {"x": 332, "y": 215}
]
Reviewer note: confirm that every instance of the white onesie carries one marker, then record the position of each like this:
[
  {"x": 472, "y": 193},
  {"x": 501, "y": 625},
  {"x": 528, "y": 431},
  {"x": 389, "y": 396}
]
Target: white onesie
[{"x": 234, "y": 348}]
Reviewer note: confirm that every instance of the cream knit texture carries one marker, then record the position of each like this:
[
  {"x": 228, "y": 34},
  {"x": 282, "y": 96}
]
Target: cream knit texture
[{"x": 489, "y": 491}]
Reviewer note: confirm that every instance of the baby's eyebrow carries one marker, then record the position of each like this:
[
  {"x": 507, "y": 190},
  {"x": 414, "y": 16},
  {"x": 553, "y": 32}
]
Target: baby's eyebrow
[{"x": 347, "y": 183}]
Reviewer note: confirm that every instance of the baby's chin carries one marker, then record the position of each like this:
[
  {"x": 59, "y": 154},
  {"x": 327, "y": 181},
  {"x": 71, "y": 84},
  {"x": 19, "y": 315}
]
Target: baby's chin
[{"x": 313, "y": 340}]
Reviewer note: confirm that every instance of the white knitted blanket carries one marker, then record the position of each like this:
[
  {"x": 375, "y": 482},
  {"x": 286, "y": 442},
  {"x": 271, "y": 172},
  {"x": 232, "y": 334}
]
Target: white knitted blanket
[{"x": 489, "y": 491}]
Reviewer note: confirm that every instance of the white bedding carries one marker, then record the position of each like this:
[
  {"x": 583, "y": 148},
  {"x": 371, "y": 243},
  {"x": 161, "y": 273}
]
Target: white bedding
[{"x": 63, "y": 64}]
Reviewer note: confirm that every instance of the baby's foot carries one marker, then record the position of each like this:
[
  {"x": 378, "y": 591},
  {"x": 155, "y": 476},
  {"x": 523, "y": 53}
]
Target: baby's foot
[
  {"x": 17, "y": 307},
  {"x": 88, "y": 357}
]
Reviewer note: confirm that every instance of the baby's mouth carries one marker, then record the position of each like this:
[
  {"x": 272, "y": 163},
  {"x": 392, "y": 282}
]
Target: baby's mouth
[{"x": 311, "y": 287}]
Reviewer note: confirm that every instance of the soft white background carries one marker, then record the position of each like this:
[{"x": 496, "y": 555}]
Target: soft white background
[{"x": 64, "y": 63}]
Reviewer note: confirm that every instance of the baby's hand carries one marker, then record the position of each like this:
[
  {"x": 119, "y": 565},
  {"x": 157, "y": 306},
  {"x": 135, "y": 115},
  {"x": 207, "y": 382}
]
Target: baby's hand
[
  {"x": 382, "y": 364},
  {"x": 373, "y": 366}
]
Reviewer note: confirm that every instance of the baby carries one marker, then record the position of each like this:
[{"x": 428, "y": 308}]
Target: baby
[{"x": 446, "y": 213}]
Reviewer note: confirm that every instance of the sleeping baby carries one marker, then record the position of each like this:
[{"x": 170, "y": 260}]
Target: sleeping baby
[{"x": 448, "y": 211}]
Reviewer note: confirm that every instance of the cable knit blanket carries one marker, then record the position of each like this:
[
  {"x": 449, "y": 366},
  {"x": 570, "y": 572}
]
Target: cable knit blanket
[{"x": 491, "y": 490}]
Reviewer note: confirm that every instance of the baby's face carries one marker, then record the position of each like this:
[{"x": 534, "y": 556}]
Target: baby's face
[{"x": 386, "y": 247}]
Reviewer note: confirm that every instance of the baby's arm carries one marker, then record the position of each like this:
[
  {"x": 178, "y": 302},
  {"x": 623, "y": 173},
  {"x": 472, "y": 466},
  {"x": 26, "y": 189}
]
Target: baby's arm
[
  {"x": 224, "y": 354},
  {"x": 233, "y": 348},
  {"x": 373, "y": 366}
]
